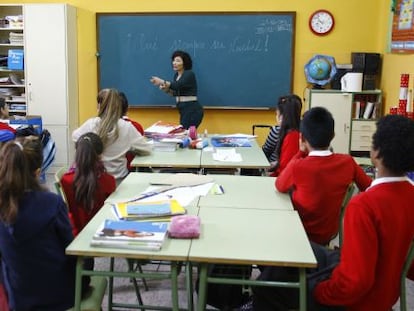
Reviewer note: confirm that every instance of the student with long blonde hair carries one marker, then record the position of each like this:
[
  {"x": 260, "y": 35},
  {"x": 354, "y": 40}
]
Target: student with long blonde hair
[{"x": 118, "y": 136}]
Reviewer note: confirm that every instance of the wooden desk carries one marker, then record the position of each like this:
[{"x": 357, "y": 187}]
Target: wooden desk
[
  {"x": 251, "y": 236},
  {"x": 182, "y": 158},
  {"x": 252, "y": 157},
  {"x": 257, "y": 192}
]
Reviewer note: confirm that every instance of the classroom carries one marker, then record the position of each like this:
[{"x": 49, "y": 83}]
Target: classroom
[{"x": 359, "y": 27}]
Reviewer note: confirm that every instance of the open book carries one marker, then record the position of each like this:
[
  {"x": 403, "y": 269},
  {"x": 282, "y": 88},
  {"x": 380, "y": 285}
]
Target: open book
[{"x": 130, "y": 234}]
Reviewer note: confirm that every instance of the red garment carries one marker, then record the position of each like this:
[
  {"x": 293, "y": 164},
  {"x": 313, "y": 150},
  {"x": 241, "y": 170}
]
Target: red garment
[
  {"x": 5, "y": 126},
  {"x": 319, "y": 184},
  {"x": 138, "y": 126},
  {"x": 80, "y": 216},
  {"x": 130, "y": 156},
  {"x": 290, "y": 146},
  {"x": 378, "y": 230}
]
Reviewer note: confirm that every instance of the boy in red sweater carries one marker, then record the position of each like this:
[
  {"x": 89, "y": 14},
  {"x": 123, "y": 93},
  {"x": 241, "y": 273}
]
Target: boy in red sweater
[
  {"x": 318, "y": 178},
  {"x": 378, "y": 226},
  {"x": 378, "y": 230}
]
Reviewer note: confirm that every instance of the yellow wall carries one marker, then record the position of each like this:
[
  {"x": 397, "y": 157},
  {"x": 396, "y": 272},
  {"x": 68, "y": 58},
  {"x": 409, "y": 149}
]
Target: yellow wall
[{"x": 360, "y": 26}]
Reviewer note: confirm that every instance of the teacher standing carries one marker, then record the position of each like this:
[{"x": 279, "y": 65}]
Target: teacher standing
[{"x": 184, "y": 88}]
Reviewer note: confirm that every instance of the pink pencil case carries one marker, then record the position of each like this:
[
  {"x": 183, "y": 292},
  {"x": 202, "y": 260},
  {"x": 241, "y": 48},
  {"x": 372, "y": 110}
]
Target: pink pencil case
[{"x": 185, "y": 227}]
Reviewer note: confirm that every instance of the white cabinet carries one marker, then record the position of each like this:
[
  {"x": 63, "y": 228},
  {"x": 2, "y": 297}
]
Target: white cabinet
[
  {"x": 12, "y": 79},
  {"x": 353, "y": 127},
  {"x": 51, "y": 72}
]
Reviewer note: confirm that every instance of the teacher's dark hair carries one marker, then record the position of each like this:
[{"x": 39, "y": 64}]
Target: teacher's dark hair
[{"x": 188, "y": 63}]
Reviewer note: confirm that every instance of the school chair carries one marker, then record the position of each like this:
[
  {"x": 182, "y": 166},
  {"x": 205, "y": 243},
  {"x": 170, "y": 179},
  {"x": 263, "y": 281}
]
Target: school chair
[
  {"x": 93, "y": 299},
  {"x": 406, "y": 267},
  {"x": 348, "y": 195},
  {"x": 58, "y": 185}
]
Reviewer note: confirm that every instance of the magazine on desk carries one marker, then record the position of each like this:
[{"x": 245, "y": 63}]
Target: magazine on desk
[
  {"x": 230, "y": 141},
  {"x": 137, "y": 210},
  {"x": 145, "y": 235}
]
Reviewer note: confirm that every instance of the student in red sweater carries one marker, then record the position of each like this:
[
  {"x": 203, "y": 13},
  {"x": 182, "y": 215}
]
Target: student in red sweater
[
  {"x": 288, "y": 115},
  {"x": 378, "y": 226},
  {"x": 318, "y": 178},
  {"x": 86, "y": 184},
  {"x": 124, "y": 101}
]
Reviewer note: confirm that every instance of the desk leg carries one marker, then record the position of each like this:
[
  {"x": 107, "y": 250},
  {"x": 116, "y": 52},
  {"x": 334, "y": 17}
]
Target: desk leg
[
  {"x": 189, "y": 285},
  {"x": 174, "y": 286},
  {"x": 202, "y": 289},
  {"x": 111, "y": 283},
  {"x": 78, "y": 284},
  {"x": 302, "y": 289}
]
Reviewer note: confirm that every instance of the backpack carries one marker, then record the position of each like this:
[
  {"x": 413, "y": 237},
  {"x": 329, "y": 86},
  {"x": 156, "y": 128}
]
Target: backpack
[{"x": 49, "y": 149}]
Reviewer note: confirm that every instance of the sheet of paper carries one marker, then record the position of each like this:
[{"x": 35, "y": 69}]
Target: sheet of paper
[{"x": 227, "y": 155}]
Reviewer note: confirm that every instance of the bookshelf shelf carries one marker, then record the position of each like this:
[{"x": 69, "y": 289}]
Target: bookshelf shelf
[
  {"x": 355, "y": 114},
  {"x": 11, "y": 38}
]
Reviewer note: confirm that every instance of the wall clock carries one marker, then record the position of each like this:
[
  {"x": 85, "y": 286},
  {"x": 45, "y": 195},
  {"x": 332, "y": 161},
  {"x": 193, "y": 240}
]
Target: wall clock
[{"x": 321, "y": 22}]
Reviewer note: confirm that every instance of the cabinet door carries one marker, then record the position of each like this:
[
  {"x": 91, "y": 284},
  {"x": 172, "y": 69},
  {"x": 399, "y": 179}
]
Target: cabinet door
[
  {"x": 340, "y": 105},
  {"x": 45, "y": 39}
]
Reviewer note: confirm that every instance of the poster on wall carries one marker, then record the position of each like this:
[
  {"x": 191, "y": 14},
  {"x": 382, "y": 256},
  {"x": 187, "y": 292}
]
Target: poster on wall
[{"x": 402, "y": 32}]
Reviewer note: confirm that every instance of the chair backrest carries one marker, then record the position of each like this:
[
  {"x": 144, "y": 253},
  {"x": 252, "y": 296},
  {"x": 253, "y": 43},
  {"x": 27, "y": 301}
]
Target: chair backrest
[
  {"x": 348, "y": 195},
  {"x": 59, "y": 173},
  {"x": 406, "y": 267},
  {"x": 58, "y": 185}
]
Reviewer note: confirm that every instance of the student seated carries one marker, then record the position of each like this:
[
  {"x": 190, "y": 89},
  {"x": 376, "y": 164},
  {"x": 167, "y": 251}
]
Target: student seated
[
  {"x": 87, "y": 184},
  {"x": 34, "y": 233},
  {"x": 288, "y": 116},
  {"x": 124, "y": 101},
  {"x": 118, "y": 136},
  {"x": 317, "y": 178},
  {"x": 378, "y": 226},
  {"x": 378, "y": 231},
  {"x": 270, "y": 146}
]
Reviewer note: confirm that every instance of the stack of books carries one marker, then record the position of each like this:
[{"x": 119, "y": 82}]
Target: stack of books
[
  {"x": 139, "y": 235},
  {"x": 162, "y": 128}
]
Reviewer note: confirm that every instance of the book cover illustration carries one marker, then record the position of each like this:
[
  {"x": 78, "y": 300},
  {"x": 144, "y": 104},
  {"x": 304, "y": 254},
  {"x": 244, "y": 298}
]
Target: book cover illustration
[
  {"x": 230, "y": 141},
  {"x": 132, "y": 231},
  {"x": 144, "y": 210}
]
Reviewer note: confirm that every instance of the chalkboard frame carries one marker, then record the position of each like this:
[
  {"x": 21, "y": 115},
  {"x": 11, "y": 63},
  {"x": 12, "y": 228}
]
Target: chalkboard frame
[{"x": 270, "y": 103}]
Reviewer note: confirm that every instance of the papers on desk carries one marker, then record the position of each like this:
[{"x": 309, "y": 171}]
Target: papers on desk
[
  {"x": 130, "y": 234},
  {"x": 227, "y": 155}
]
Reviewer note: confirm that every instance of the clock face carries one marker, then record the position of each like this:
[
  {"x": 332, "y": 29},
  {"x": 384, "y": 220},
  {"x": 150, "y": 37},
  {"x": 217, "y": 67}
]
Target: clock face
[{"x": 321, "y": 22}]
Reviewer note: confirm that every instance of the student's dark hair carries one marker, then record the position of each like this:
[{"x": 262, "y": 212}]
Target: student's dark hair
[
  {"x": 394, "y": 141},
  {"x": 88, "y": 167},
  {"x": 290, "y": 107},
  {"x": 2, "y": 102},
  {"x": 187, "y": 62},
  {"x": 19, "y": 162},
  {"x": 318, "y": 127},
  {"x": 124, "y": 103}
]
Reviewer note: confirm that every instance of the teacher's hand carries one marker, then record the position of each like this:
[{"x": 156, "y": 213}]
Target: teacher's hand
[{"x": 157, "y": 81}]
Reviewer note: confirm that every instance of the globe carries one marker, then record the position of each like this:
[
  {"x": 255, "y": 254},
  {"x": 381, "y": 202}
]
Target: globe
[{"x": 320, "y": 70}]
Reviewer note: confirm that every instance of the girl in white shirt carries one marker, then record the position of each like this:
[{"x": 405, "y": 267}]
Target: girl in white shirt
[{"x": 118, "y": 136}]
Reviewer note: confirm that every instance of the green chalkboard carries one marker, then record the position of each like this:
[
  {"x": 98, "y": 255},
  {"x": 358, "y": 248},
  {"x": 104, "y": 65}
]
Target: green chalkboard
[{"x": 241, "y": 60}]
